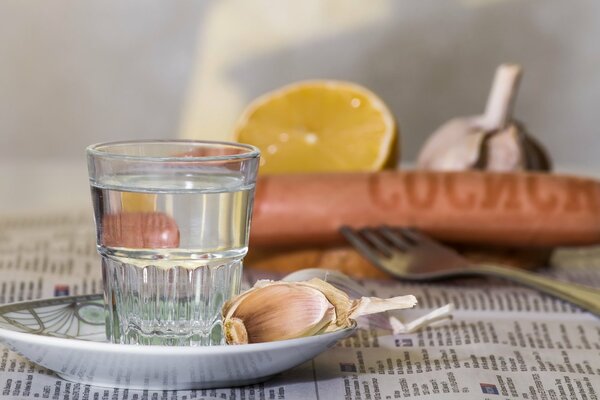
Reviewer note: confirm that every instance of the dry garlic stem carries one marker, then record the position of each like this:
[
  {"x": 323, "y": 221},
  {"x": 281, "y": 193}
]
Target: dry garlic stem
[
  {"x": 501, "y": 100},
  {"x": 285, "y": 310}
]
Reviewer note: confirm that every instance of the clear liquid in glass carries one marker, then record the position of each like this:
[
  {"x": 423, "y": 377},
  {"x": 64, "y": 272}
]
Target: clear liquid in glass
[{"x": 172, "y": 247}]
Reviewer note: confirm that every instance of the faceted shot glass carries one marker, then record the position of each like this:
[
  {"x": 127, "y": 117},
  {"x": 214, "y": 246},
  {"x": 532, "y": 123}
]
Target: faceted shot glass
[{"x": 172, "y": 224}]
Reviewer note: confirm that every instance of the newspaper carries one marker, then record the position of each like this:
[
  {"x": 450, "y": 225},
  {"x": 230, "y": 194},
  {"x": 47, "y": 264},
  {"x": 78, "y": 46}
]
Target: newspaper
[{"x": 504, "y": 342}]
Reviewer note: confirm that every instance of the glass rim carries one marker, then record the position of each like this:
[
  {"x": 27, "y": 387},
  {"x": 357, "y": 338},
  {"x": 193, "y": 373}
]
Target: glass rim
[{"x": 251, "y": 151}]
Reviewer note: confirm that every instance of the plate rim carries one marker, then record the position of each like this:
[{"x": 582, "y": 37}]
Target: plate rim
[{"x": 155, "y": 349}]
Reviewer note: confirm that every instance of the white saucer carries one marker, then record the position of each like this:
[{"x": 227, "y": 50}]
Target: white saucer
[{"x": 66, "y": 335}]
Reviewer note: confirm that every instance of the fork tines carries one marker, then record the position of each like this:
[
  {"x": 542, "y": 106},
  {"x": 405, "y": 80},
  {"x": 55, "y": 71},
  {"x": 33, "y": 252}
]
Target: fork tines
[{"x": 382, "y": 240}]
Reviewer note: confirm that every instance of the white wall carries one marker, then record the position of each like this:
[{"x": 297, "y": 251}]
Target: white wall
[{"x": 77, "y": 72}]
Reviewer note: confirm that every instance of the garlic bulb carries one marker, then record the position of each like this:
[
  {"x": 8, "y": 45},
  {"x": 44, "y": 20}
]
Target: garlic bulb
[
  {"x": 277, "y": 310},
  {"x": 493, "y": 141}
]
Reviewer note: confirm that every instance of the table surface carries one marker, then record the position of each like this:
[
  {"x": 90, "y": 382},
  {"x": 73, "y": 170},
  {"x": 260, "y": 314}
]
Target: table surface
[{"x": 27, "y": 187}]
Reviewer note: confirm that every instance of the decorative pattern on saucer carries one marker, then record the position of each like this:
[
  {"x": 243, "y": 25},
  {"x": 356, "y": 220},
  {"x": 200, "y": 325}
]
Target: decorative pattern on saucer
[{"x": 74, "y": 317}]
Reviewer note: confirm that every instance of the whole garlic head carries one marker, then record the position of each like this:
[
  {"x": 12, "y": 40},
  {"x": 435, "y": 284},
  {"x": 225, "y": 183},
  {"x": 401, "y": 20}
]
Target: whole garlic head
[{"x": 493, "y": 141}]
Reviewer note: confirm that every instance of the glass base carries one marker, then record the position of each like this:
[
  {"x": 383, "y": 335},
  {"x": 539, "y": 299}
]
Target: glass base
[{"x": 175, "y": 306}]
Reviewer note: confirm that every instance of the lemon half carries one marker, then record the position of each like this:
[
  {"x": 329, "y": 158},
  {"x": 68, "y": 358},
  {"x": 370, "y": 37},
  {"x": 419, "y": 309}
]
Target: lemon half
[{"x": 320, "y": 126}]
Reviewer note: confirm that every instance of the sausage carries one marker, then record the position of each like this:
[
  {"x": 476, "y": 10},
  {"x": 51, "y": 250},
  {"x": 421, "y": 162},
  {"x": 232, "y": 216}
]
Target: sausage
[{"x": 513, "y": 209}]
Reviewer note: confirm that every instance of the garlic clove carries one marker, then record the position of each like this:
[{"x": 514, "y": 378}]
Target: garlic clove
[
  {"x": 536, "y": 156},
  {"x": 341, "y": 302},
  {"x": 512, "y": 149},
  {"x": 285, "y": 310},
  {"x": 348, "y": 309},
  {"x": 505, "y": 151},
  {"x": 277, "y": 312},
  {"x": 456, "y": 145}
]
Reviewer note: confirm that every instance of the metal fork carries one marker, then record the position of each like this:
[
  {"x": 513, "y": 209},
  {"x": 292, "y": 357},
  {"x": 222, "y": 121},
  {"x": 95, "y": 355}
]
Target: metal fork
[{"x": 410, "y": 255}]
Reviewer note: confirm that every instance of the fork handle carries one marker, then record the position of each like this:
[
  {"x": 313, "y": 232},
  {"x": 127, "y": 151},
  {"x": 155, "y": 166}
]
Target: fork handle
[{"x": 585, "y": 297}]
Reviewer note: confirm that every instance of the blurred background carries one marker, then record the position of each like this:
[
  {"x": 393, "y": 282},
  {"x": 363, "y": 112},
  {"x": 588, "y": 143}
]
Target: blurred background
[{"x": 74, "y": 73}]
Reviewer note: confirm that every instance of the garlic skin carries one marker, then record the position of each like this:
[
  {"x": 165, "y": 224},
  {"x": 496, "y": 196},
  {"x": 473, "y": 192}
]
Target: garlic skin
[
  {"x": 493, "y": 141},
  {"x": 277, "y": 310}
]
